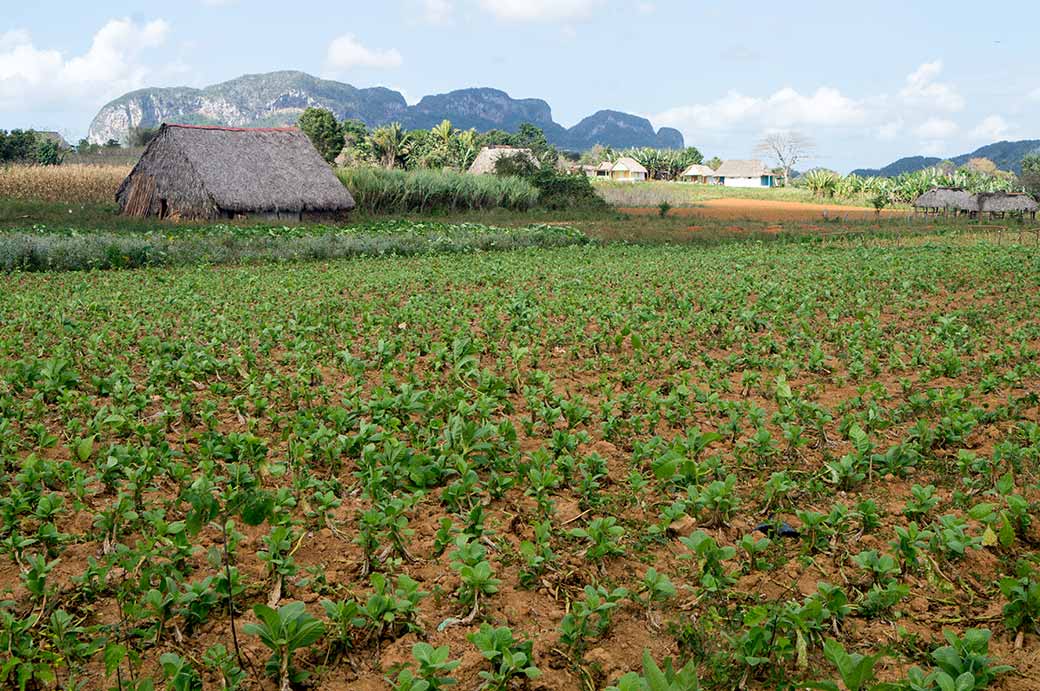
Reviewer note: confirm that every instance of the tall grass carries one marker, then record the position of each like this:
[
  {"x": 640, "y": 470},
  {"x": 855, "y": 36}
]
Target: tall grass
[
  {"x": 377, "y": 190},
  {"x": 70, "y": 184}
]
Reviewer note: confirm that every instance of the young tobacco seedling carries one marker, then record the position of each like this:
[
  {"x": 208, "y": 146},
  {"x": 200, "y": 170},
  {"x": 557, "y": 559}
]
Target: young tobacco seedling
[
  {"x": 510, "y": 659},
  {"x": 656, "y": 679},
  {"x": 714, "y": 576},
  {"x": 180, "y": 675},
  {"x": 284, "y": 631},
  {"x": 604, "y": 535},
  {"x": 856, "y": 671},
  {"x": 434, "y": 667},
  {"x": 1022, "y": 611}
]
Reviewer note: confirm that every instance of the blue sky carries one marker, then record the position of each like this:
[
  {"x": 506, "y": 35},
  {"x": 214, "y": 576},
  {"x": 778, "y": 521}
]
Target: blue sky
[{"x": 869, "y": 82}]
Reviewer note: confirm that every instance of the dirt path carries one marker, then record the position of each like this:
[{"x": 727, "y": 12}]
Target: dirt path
[{"x": 768, "y": 210}]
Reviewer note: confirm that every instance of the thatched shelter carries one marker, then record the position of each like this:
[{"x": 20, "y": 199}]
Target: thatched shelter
[
  {"x": 1007, "y": 203},
  {"x": 699, "y": 173},
  {"x": 947, "y": 199},
  {"x": 485, "y": 162},
  {"x": 198, "y": 172}
]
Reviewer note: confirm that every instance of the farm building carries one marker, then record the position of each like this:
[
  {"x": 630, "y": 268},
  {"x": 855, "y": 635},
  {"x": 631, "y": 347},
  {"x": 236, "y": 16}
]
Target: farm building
[
  {"x": 628, "y": 169},
  {"x": 958, "y": 201},
  {"x": 745, "y": 174},
  {"x": 946, "y": 200},
  {"x": 484, "y": 164},
  {"x": 699, "y": 173},
  {"x": 1005, "y": 203},
  {"x": 600, "y": 171},
  {"x": 201, "y": 172}
]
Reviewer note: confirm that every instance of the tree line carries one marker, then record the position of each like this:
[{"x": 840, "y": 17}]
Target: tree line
[
  {"x": 29, "y": 146},
  {"x": 977, "y": 175},
  {"x": 391, "y": 146}
]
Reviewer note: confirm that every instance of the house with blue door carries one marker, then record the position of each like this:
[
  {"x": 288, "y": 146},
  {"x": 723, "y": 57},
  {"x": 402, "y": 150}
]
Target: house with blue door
[{"x": 746, "y": 174}]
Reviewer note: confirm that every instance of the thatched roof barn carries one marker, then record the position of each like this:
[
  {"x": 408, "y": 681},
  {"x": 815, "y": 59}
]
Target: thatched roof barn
[
  {"x": 485, "y": 162},
  {"x": 1007, "y": 203},
  {"x": 198, "y": 172},
  {"x": 948, "y": 199}
]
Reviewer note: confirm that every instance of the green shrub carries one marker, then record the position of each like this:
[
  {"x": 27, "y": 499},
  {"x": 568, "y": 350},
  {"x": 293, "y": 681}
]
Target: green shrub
[{"x": 565, "y": 190}]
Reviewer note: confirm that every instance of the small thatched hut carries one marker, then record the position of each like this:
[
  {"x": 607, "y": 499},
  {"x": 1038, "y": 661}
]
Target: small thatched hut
[
  {"x": 485, "y": 162},
  {"x": 196, "y": 172},
  {"x": 947, "y": 199},
  {"x": 698, "y": 173},
  {"x": 1007, "y": 203}
]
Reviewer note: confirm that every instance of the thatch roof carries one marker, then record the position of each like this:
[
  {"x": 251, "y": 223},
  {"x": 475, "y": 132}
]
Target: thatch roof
[
  {"x": 1003, "y": 202},
  {"x": 208, "y": 172},
  {"x": 485, "y": 162},
  {"x": 950, "y": 198},
  {"x": 605, "y": 167},
  {"x": 698, "y": 170},
  {"x": 742, "y": 169},
  {"x": 631, "y": 165}
]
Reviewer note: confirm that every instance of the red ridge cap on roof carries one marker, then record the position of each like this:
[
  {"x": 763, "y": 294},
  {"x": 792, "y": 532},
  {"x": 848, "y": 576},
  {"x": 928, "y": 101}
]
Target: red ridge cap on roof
[{"x": 231, "y": 129}]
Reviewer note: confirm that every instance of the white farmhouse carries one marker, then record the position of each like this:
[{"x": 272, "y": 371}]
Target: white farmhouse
[{"x": 745, "y": 174}]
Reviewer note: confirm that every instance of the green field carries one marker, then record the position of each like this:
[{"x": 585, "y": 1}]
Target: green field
[{"x": 747, "y": 456}]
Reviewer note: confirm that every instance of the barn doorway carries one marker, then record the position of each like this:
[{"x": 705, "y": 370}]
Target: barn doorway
[{"x": 164, "y": 209}]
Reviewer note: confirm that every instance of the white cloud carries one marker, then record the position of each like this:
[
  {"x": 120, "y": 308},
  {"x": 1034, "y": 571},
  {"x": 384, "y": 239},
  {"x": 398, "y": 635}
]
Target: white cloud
[
  {"x": 32, "y": 78},
  {"x": 785, "y": 108},
  {"x": 437, "y": 11},
  {"x": 922, "y": 89},
  {"x": 991, "y": 129},
  {"x": 347, "y": 52},
  {"x": 538, "y": 10},
  {"x": 936, "y": 128}
]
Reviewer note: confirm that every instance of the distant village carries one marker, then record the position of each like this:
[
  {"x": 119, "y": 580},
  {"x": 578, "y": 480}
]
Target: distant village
[{"x": 735, "y": 173}]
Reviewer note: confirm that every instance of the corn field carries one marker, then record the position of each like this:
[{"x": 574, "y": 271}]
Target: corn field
[{"x": 68, "y": 183}]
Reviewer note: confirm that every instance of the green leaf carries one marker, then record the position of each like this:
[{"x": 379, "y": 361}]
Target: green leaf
[
  {"x": 84, "y": 447},
  {"x": 114, "y": 655}
]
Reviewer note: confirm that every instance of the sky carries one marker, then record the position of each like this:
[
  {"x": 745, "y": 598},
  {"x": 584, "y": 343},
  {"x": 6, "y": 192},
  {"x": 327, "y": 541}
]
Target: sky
[{"x": 867, "y": 82}]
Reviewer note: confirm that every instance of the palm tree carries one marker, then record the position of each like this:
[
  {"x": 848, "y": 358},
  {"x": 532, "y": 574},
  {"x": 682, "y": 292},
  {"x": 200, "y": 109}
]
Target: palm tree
[
  {"x": 443, "y": 133},
  {"x": 465, "y": 150},
  {"x": 390, "y": 144}
]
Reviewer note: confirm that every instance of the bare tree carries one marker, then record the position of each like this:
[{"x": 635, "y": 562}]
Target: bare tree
[{"x": 787, "y": 149}]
